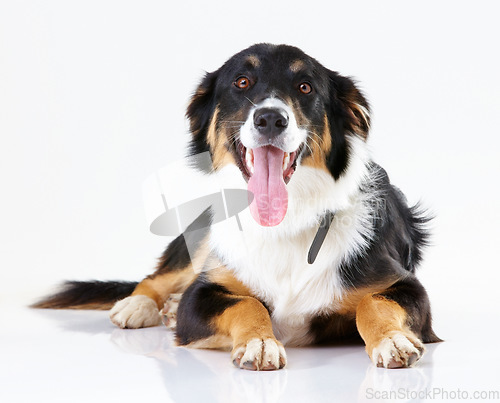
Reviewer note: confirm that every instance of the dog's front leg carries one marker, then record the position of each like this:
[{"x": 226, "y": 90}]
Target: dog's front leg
[
  {"x": 210, "y": 314},
  {"x": 254, "y": 345},
  {"x": 382, "y": 324},
  {"x": 395, "y": 323}
]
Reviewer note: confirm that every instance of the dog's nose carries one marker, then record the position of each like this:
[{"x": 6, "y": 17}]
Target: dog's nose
[{"x": 270, "y": 121}]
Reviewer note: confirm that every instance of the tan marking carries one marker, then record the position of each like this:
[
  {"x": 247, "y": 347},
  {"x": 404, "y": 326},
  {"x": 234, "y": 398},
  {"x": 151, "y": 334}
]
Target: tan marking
[
  {"x": 361, "y": 119},
  {"x": 297, "y": 65},
  {"x": 159, "y": 287},
  {"x": 212, "y": 132},
  {"x": 297, "y": 112},
  {"x": 246, "y": 320},
  {"x": 320, "y": 145},
  {"x": 326, "y": 143},
  {"x": 222, "y": 157},
  {"x": 217, "y": 140},
  {"x": 360, "y": 115},
  {"x": 363, "y": 114},
  {"x": 200, "y": 92},
  {"x": 225, "y": 277},
  {"x": 377, "y": 318},
  {"x": 320, "y": 148},
  {"x": 350, "y": 300},
  {"x": 96, "y": 306},
  {"x": 253, "y": 60}
]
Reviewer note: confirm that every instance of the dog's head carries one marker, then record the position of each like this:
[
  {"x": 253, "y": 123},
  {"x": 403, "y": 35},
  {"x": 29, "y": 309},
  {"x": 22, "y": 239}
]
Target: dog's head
[{"x": 270, "y": 110}]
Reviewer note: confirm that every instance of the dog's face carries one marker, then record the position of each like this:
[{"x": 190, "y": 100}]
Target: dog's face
[{"x": 270, "y": 110}]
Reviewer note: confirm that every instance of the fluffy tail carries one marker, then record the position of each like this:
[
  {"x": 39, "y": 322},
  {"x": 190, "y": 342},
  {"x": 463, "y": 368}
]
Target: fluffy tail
[{"x": 87, "y": 295}]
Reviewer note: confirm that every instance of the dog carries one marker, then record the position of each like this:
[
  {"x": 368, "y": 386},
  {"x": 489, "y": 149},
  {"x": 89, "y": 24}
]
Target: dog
[{"x": 329, "y": 246}]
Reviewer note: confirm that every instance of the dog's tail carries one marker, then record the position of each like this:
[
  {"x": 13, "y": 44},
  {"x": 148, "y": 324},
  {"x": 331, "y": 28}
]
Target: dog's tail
[{"x": 87, "y": 295}]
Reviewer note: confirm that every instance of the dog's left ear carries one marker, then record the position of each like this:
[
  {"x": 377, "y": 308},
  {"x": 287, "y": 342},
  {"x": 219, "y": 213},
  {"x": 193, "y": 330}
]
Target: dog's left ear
[
  {"x": 348, "y": 115},
  {"x": 356, "y": 118},
  {"x": 200, "y": 110}
]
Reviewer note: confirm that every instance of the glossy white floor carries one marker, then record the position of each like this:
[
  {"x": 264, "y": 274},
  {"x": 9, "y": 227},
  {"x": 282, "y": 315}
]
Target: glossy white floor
[{"x": 79, "y": 356}]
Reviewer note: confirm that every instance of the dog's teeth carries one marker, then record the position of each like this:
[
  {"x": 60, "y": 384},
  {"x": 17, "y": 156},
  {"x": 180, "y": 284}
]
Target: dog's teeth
[
  {"x": 249, "y": 160},
  {"x": 286, "y": 160}
]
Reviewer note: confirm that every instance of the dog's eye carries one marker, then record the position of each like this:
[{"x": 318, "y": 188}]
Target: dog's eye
[
  {"x": 242, "y": 82},
  {"x": 305, "y": 88}
]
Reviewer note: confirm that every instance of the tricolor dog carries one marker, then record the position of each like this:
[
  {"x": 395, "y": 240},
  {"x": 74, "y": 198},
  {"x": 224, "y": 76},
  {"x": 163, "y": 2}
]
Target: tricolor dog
[{"x": 329, "y": 246}]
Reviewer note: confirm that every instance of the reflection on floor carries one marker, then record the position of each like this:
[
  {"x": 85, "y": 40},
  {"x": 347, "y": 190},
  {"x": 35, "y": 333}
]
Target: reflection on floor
[{"x": 80, "y": 356}]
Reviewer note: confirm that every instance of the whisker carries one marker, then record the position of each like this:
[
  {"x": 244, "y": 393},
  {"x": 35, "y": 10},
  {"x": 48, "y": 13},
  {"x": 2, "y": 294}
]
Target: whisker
[
  {"x": 315, "y": 142},
  {"x": 317, "y": 139},
  {"x": 313, "y": 133},
  {"x": 316, "y": 135},
  {"x": 309, "y": 147},
  {"x": 232, "y": 137},
  {"x": 249, "y": 100},
  {"x": 308, "y": 125}
]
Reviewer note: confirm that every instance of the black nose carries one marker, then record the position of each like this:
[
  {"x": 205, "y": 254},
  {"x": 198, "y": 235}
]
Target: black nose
[{"x": 270, "y": 121}]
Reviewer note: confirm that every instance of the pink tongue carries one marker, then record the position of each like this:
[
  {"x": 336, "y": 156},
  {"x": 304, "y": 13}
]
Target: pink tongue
[{"x": 270, "y": 199}]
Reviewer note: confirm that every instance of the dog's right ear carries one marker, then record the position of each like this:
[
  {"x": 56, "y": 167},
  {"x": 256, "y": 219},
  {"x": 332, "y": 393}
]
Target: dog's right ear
[{"x": 200, "y": 110}]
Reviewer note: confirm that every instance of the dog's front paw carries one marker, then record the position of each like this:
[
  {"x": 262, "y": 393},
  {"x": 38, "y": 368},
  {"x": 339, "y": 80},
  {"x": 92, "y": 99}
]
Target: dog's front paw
[
  {"x": 259, "y": 355},
  {"x": 398, "y": 350},
  {"x": 135, "y": 312}
]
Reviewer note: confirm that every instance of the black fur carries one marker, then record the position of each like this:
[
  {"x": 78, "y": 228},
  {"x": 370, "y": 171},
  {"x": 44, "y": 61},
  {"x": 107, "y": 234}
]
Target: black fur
[
  {"x": 411, "y": 295},
  {"x": 176, "y": 255},
  {"x": 200, "y": 111},
  {"x": 334, "y": 328},
  {"x": 341, "y": 117},
  {"x": 79, "y": 294},
  {"x": 400, "y": 235},
  {"x": 200, "y": 303}
]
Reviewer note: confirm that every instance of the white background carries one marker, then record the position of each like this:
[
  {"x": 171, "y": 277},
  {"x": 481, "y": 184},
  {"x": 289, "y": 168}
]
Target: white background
[{"x": 92, "y": 100}]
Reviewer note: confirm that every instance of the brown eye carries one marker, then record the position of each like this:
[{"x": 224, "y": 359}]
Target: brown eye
[
  {"x": 242, "y": 82},
  {"x": 305, "y": 88}
]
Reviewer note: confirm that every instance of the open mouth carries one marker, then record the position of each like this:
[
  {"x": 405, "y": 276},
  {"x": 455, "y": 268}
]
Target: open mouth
[
  {"x": 267, "y": 170},
  {"x": 247, "y": 165}
]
